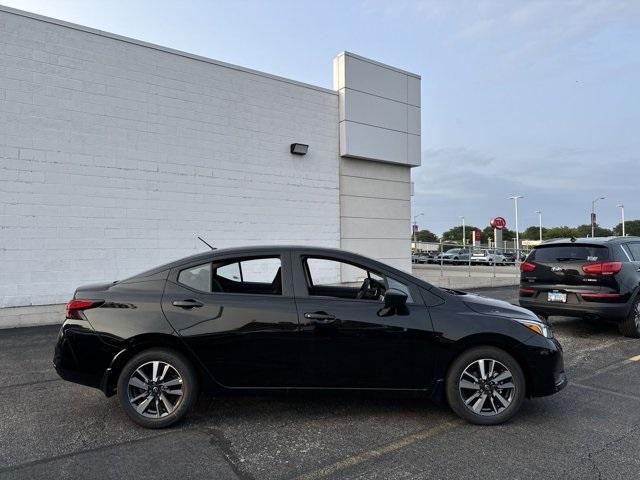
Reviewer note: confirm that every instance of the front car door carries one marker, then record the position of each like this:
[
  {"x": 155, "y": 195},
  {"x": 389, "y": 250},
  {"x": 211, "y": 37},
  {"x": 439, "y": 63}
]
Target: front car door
[
  {"x": 347, "y": 341},
  {"x": 238, "y": 315}
]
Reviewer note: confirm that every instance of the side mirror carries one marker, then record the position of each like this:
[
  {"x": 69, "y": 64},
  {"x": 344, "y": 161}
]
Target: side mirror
[
  {"x": 395, "y": 303},
  {"x": 394, "y": 298}
]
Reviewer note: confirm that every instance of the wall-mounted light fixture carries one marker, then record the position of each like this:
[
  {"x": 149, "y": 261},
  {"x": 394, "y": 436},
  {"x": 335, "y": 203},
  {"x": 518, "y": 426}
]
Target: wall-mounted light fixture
[{"x": 299, "y": 148}]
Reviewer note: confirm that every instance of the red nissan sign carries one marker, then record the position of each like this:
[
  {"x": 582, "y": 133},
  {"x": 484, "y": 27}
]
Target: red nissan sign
[{"x": 498, "y": 222}]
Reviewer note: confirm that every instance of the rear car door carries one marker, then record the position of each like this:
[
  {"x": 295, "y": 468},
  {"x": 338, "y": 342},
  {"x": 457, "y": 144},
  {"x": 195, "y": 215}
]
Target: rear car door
[
  {"x": 346, "y": 341},
  {"x": 239, "y": 317}
]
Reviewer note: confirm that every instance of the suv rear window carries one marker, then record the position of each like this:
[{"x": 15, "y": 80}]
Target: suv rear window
[{"x": 568, "y": 253}]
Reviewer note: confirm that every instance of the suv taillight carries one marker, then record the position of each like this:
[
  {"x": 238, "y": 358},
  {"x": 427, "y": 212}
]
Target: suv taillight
[
  {"x": 602, "y": 268},
  {"x": 75, "y": 306},
  {"x": 527, "y": 267}
]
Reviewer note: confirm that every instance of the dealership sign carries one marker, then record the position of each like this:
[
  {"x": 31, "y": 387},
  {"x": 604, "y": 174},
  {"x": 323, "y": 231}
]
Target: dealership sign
[{"x": 498, "y": 222}]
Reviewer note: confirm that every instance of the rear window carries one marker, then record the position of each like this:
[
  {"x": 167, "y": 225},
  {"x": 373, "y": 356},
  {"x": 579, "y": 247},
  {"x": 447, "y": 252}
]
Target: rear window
[{"x": 568, "y": 253}]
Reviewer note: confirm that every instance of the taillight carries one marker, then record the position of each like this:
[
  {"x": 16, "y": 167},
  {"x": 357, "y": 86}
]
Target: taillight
[
  {"x": 527, "y": 267},
  {"x": 527, "y": 292},
  {"x": 602, "y": 268},
  {"x": 75, "y": 306}
]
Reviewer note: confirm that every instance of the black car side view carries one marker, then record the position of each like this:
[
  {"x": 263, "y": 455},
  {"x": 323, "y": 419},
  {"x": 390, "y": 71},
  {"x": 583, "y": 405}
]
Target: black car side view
[
  {"x": 288, "y": 317},
  {"x": 595, "y": 278}
]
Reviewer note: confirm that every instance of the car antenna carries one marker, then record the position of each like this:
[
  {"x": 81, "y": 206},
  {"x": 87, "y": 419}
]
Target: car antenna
[{"x": 206, "y": 243}]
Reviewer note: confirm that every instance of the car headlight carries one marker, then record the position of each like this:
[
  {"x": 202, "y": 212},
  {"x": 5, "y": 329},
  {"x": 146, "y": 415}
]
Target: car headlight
[{"x": 537, "y": 327}]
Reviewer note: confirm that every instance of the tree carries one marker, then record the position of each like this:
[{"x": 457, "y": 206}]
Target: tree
[
  {"x": 426, "y": 236},
  {"x": 533, "y": 233},
  {"x": 631, "y": 227},
  {"x": 455, "y": 234},
  {"x": 560, "y": 232},
  {"x": 488, "y": 233},
  {"x": 585, "y": 231}
]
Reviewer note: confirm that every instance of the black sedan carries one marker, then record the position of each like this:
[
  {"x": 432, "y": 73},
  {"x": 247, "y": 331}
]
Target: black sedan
[{"x": 282, "y": 318}]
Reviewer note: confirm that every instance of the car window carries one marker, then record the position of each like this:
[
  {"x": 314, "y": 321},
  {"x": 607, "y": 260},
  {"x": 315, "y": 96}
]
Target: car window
[
  {"x": 230, "y": 272},
  {"x": 566, "y": 253},
  {"x": 335, "y": 278},
  {"x": 251, "y": 276},
  {"x": 198, "y": 278},
  {"x": 634, "y": 248}
]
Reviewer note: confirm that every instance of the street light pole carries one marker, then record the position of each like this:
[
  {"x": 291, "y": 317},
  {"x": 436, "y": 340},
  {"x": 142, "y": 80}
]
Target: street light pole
[
  {"x": 413, "y": 228},
  {"x": 515, "y": 201},
  {"x": 539, "y": 212},
  {"x": 622, "y": 211},
  {"x": 593, "y": 216},
  {"x": 464, "y": 233}
]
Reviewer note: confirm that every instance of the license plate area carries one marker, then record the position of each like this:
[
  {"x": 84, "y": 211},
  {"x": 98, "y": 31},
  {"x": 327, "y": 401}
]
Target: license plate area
[{"x": 557, "y": 297}]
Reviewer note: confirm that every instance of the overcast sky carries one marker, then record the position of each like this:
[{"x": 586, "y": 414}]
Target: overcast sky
[{"x": 536, "y": 98}]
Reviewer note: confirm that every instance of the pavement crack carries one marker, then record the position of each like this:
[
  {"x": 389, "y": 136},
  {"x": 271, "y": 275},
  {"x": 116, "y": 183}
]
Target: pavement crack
[{"x": 222, "y": 443}]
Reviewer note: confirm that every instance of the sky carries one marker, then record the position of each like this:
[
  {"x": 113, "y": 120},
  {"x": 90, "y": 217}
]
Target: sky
[{"x": 536, "y": 98}]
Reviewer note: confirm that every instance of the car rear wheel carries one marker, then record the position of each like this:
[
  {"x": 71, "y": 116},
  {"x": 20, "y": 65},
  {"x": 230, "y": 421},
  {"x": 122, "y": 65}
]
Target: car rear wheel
[
  {"x": 485, "y": 386},
  {"x": 157, "y": 387},
  {"x": 630, "y": 327}
]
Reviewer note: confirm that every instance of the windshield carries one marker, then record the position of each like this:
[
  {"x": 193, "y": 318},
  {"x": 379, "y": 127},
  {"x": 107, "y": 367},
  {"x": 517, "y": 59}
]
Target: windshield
[{"x": 567, "y": 253}]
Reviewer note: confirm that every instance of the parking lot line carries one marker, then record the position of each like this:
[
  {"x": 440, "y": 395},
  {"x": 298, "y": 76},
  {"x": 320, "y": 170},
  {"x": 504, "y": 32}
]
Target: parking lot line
[
  {"x": 380, "y": 451},
  {"x": 608, "y": 368},
  {"x": 605, "y": 390}
]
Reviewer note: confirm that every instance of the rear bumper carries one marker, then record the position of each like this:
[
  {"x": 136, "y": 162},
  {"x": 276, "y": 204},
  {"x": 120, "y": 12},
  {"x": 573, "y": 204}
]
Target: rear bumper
[
  {"x": 604, "y": 310},
  {"x": 80, "y": 356}
]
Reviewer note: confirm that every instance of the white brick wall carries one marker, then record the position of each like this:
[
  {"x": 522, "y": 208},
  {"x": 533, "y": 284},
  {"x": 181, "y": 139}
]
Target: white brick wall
[{"x": 114, "y": 155}]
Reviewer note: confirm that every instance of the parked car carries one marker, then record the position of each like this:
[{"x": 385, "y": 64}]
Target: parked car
[
  {"x": 487, "y": 257},
  {"x": 283, "y": 317},
  {"x": 422, "y": 257},
  {"x": 454, "y": 255},
  {"x": 595, "y": 278}
]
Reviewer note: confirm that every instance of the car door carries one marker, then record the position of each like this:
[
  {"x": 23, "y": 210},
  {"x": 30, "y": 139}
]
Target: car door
[
  {"x": 239, "y": 317},
  {"x": 348, "y": 342}
]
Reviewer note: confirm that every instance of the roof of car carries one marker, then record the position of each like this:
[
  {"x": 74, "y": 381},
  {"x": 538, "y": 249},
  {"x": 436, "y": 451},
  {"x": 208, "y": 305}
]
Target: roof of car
[
  {"x": 589, "y": 240},
  {"x": 258, "y": 250}
]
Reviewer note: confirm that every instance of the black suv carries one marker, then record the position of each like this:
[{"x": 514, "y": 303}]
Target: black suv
[{"x": 586, "y": 277}]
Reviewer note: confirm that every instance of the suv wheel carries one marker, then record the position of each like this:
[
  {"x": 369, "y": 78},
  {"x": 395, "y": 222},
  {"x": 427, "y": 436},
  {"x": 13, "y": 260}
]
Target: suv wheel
[
  {"x": 630, "y": 327},
  {"x": 485, "y": 386},
  {"x": 157, "y": 387}
]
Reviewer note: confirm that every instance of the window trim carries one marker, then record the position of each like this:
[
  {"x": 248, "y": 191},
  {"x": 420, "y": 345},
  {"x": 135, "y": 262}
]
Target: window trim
[
  {"x": 309, "y": 281},
  {"x": 285, "y": 266}
]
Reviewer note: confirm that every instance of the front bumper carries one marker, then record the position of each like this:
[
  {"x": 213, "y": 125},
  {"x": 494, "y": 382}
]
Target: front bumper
[{"x": 546, "y": 367}]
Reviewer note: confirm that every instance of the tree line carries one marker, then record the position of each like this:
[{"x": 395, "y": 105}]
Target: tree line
[{"x": 454, "y": 234}]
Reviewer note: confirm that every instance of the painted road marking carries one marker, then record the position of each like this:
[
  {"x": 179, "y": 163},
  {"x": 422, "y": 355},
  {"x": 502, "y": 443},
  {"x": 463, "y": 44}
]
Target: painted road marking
[
  {"x": 380, "y": 451},
  {"x": 605, "y": 390},
  {"x": 609, "y": 368}
]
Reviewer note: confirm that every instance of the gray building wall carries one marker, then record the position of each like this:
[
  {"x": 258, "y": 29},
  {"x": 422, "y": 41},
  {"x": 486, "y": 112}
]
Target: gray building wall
[{"x": 115, "y": 154}]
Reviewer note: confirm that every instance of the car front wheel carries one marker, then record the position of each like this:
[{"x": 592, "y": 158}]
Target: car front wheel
[
  {"x": 485, "y": 386},
  {"x": 157, "y": 387}
]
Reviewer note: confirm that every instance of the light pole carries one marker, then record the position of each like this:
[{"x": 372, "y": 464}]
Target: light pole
[
  {"x": 593, "y": 216},
  {"x": 539, "y": 212},
  {"x": 621, "y": 205},
  {"x": 515, "y": 201},
  {"x": 464, "y": 233},
  {"x": 414, "y": 228}
]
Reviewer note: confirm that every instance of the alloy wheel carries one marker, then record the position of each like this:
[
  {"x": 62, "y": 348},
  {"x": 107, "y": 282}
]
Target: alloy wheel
[
  {"x": 155, "y": 389},
  {"x": 486, "y": 387}
]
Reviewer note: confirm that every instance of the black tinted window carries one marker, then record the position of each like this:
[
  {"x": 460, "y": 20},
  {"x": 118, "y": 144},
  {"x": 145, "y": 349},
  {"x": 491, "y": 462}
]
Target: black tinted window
[
  {"x": 567, "y": 253},
  {"x": 634, "y": 248}
]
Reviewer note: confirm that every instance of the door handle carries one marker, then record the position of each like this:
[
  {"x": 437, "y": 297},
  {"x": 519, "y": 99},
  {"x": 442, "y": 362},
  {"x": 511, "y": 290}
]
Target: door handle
[
  {"x": 320, "y": 317},
  {"x": 188, "y": 303}
]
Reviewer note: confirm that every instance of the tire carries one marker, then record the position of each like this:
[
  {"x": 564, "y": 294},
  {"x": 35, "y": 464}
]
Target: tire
[
  {"x": 157, "y": 404},
  {"x": 630, "y": 326},
  {"x": 496, "y": 405}
]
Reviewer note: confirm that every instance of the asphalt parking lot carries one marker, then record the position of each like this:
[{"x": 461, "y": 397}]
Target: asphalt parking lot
[{"x": 53, "y": 429}]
